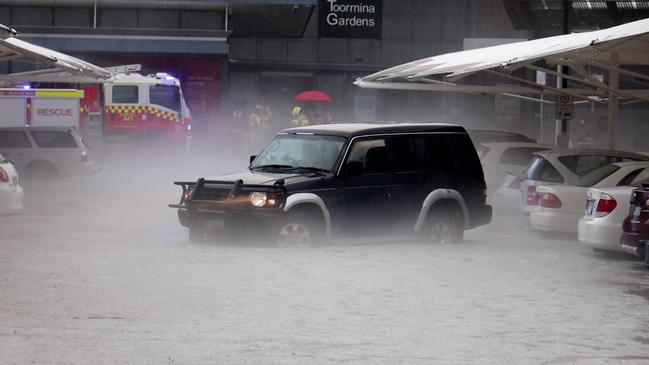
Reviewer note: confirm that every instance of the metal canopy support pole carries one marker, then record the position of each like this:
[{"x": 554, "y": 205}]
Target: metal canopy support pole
[
  {"x": 613, "y": 102},
  {"x": 561, "y": 136},
  {"x": 227, "y": 15}
]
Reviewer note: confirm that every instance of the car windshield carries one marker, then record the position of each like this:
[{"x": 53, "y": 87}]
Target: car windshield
[
  {"x": 581, "y": 165},
  {"x": 643, "y": 177},
  {"x": 165, "y": 95},
  {"x": 295, "y": 151},
  {"x": 596, "y": 176},
  {"x": 542, "y": 170}
]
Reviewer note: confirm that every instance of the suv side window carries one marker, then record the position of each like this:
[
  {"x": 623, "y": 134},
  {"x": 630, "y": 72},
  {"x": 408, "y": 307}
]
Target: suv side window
[
  {"x": 14, "y": 139},
  {"x": 443, "y": 154},
  {"x": 411, "y": 153},
  {"x": 54, "y": 139},
  {"x": 368, "y": 157}
]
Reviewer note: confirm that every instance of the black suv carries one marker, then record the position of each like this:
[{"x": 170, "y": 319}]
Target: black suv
[{"x": 346, "y": 180}]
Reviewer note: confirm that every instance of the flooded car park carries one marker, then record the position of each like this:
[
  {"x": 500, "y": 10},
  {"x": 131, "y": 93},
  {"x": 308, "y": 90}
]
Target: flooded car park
[{"x": 99, "y": 264}]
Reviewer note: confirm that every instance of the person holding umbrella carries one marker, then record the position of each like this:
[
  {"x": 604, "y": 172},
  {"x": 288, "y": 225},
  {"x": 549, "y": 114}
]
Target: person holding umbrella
[{"x": 310, "y": 113}]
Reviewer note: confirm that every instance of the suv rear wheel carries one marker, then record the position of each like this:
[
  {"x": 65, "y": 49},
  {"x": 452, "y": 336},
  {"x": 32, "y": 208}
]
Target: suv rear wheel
[{"x": 444, "y": 226}]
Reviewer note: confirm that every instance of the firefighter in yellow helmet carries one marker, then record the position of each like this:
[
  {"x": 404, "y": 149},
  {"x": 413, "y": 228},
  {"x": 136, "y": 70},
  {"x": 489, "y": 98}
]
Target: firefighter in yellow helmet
[{"x": 299, "y": 118}]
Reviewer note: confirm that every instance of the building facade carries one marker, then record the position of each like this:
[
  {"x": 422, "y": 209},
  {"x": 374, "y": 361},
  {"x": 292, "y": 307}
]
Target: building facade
[{"x": 232, "y": 56}]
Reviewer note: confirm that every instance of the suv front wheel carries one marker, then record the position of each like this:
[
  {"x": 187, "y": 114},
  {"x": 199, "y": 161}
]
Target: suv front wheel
[{"x": 300, "y": 229}]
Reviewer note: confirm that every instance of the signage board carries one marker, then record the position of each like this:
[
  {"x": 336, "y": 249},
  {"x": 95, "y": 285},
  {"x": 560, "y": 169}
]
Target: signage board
[
  {"x": 351, "y": 19},
  {"x": 55, "y": 112},
  {"x": 564, "y": 107}
]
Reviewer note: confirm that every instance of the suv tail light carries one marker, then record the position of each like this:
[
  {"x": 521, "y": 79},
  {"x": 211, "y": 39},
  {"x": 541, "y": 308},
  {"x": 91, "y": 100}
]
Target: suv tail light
[
  {"x": 605, "y": 205},
  {"x": 548, "y": 200},
  {"x": 532, "y": 198},
  {"x": 3, "y": 175},
  {"x": 84, "y": 156}
]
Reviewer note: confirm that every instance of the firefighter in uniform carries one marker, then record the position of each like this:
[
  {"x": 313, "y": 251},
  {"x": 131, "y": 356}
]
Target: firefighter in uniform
[
  {"x": 258, "y": 126},
  {"x": 299, "y": 118}
]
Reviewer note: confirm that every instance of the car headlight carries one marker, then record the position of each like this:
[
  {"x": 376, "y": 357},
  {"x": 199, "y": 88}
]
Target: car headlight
[{"x": 258, "y": 199}]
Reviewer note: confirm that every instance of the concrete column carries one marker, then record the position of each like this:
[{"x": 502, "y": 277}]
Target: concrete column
[{"x": 613, "y": 102}]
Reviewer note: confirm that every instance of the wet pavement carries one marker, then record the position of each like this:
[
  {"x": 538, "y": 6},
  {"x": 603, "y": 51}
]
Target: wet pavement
[{"x": 98, "y": 270}]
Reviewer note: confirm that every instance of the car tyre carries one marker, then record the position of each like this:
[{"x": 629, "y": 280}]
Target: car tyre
[
  {"x": 444, "y": 227},
  {"x": 300, "y": 231}
]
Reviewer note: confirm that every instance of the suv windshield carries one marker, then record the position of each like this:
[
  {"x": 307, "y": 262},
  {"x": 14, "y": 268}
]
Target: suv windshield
[{"x": 290, "y": 151}]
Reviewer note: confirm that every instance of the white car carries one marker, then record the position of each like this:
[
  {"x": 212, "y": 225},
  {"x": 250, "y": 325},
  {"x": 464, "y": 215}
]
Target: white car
[
  {"x": 42, "y": 153},
  {"x": 11, "y": 193},
  {"x": 516, "y": 194},
  {"x": 559, "y": 207},
  {"x": 562, "y": 166},
  {"x": 606, "y": 208},
  {"x": 506, "y": 198},
  {"x": 499, "y": 159}
]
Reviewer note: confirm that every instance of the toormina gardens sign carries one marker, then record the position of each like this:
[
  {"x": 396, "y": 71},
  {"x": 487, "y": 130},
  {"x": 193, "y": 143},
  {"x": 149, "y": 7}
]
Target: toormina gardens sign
[{"x": 351, "y": 18}]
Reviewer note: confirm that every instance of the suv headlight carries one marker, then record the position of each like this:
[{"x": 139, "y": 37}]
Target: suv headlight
[{"x": 258, "y": 199}]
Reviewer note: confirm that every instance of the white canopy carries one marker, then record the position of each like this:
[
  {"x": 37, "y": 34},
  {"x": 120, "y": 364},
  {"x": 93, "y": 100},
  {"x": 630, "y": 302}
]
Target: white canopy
[
  {"x": 588, "y": 53},
  {"x": 64, "y": 68}
]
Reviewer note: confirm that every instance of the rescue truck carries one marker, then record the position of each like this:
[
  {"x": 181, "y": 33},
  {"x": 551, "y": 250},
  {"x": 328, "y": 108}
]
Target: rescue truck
[{"x": 135, "y": 104}]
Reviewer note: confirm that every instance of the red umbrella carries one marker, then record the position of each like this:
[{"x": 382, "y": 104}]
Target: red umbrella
[{"x": 313, "y": 95}]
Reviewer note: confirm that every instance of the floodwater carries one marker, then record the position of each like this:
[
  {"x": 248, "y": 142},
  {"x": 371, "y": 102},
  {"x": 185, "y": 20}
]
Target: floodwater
[{"x": 97, "y": 270}]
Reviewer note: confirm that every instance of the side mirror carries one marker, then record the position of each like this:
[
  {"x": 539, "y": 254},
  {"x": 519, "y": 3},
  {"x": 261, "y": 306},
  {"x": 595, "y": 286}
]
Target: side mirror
[{"x": 252, "y": 158}]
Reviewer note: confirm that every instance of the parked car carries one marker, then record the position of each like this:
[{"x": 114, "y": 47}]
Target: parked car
[
  {"x": 606, "y": 208},
  {"x": 480, "y": 136},
  {"x": 564, "y": 166},
  {"x": 501, "y": 158},
  {"x": 11, "y": 193},
  {"x": 635, "y": 227},
  {"x": 346, "y": 180},
  {"x": 559, "y": 207},
  {"x": 45, "y": 153}
]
